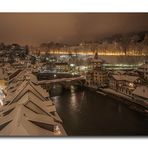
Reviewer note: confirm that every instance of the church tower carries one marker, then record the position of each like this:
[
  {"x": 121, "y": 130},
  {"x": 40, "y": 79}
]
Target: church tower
[{"x": 96, "y": 62}]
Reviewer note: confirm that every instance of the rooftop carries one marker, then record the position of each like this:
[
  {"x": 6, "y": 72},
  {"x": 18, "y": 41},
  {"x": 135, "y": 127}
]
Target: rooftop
[
  {"x": 29, "y": 112},
  {"x": 128, "y": 78},
  {"x": 141, "y": 91},
  {"x": 144, "y": 66}
]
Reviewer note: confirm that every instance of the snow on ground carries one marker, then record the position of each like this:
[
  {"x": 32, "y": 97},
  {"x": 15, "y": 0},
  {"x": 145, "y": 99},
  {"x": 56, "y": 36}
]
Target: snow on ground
[
  {"x": 134, "y": 100},
  {"x": 108, "y": 90}
]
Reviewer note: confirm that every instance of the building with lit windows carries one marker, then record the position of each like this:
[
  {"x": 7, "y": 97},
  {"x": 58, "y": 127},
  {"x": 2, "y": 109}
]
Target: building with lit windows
[
  {"x": 143, "y": 71},
  {"x": 62, "y": 66},
  {"x": 140, "y": 95},
  {"x": 125, "y": 84},
  {"x": 97, "y": 76}
]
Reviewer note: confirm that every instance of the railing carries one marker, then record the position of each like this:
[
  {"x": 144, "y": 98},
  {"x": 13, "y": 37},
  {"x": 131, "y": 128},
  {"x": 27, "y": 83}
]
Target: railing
[{"x": 61, "y": 80}]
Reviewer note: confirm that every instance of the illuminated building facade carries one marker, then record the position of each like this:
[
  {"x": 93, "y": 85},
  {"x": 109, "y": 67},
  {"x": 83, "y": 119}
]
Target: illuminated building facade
[
  {"x": 125, "y": 84},
  {"x": 143, "y": 71},
  {"x": 97, "y": 77},
  {"x": 62, "y": 66}
]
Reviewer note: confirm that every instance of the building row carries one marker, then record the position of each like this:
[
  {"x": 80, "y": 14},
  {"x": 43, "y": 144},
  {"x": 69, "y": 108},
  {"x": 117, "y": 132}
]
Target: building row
[
  {"x": 28, "y": 110},
  {"x": 133, "y": 84}
]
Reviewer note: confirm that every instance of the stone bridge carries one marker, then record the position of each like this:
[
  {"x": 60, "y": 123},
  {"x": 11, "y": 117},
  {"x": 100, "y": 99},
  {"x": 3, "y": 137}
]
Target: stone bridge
[{"x": 64, "y": 82}]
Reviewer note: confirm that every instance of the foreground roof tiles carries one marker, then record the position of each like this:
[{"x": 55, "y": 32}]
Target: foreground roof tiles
[{"x": 30, "y": 112}]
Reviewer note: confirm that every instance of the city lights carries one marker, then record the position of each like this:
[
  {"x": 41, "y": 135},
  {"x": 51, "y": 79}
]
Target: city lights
[{"x": 73, "y": 74}]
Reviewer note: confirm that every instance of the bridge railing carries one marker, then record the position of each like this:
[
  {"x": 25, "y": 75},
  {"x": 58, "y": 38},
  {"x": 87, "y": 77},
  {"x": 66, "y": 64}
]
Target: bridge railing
[{"x": 61, "y": 80}]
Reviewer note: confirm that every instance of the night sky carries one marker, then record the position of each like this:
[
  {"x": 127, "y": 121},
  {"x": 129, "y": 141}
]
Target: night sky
[{"x": 67, "y": 27}]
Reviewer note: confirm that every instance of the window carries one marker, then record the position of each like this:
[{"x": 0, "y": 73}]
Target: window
[
  {"x": 30, "y": 105},
  {"x": 4, "y": 125},
  {"x": 44, "y": 125},
  {"x": 7, "y": 112}
]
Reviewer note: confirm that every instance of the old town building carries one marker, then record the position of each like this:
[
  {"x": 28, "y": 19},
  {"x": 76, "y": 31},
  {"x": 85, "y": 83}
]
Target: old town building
[
  {"x": 140, "y": 95},
  {"x": 97, "y": 76},
  {"x": 61, "y": 66},
  {"x": 125, "y": 84},
  {"x": 143, "y": 71}
]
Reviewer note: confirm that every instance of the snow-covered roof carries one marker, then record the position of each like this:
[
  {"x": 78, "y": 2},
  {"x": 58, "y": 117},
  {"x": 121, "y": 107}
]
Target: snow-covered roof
[
  {"x": 28, "y": 86},
  {"x": 29, "y": 113},
  {"x": 141, "y": 91},
  {"x": 119, "y": 72},
  {"x": 21, "y": 121},
  {"x": 3, "y": 84},
  {"x": 33, "y": 78},
  {"x": 29, "y": 110},
  {"x": 1, "y": 74},
  {"x": 125, "y": 78},
  {"x": 144, "y": 66},
  {"x": 132, "y": 73}
]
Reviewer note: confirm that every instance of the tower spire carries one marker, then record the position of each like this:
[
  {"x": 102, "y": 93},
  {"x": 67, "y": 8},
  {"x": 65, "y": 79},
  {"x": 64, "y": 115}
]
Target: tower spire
[{"x": 96, "y": 56}]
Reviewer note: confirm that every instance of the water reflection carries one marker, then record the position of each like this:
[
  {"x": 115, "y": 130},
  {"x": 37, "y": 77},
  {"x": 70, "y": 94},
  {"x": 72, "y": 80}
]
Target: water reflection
[
  {"x": 119, "y": 108},
  {"x": 87, "y": 113},
  {"x": 73, "y": 97}
]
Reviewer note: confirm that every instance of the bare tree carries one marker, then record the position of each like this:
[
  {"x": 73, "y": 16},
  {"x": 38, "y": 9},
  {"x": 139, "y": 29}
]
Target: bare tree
[{"x": 124, "y": 44}]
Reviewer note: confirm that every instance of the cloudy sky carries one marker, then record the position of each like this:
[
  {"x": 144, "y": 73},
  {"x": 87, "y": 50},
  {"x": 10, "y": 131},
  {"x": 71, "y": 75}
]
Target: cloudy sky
[{"x": 35, "y": 28}]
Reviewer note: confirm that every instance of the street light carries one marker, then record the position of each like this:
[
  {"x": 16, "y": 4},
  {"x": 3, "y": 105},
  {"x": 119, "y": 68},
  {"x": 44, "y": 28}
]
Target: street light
[
  {"x": 131, "y": 84},
  {"x": 72, "y": 65}
]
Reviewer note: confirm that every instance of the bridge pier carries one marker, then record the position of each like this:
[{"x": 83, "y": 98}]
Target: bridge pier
[{"x": 63, "y": 84}]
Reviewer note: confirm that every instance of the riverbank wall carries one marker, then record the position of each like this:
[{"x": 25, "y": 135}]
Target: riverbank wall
[{"x": 129, "y": 101}]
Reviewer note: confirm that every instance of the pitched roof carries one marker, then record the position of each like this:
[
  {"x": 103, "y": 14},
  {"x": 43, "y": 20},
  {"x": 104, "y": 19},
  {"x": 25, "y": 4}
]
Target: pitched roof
[
  {"x": 24, "y": 87},
  {"x": 145, "y": 66},
  {"x": 29, "y": 113},
  {"x": 30, "y": 118},
  {"x": 21, "y": 121},
  {"x": 125, "y": 78},
  {"x": 1, "y": 74},
  {"x": 141, "y": 91}
]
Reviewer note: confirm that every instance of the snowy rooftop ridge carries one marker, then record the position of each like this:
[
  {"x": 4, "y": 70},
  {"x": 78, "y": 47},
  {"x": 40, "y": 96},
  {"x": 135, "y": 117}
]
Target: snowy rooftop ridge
[
  {"x": 125, "y": 78},
  {"x": 30, "y": 113}
]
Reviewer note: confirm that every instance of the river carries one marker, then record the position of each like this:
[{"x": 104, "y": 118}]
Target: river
[{"x": 86, "y": 113}]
